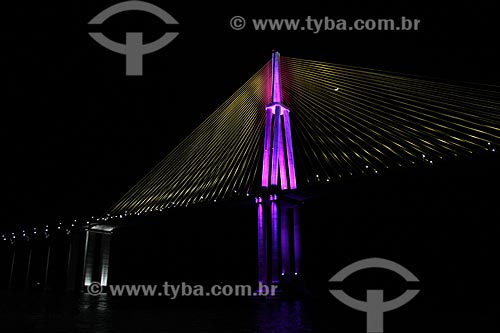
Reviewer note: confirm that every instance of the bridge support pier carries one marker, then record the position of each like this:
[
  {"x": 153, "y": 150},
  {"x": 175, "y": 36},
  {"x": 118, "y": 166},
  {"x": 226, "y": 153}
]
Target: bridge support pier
[
  {"x": 278, "y": 237},
  {"x": 28, "y": 270},
  {"x": 11, "y": 276},
  {"x": 47, "y": 270},
  {"x": 96, "y": 257}
]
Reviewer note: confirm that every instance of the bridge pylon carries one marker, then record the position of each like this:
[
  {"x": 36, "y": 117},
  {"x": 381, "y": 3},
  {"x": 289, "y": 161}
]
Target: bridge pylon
[
  {"x": 278, "y": 166},
  {"x": 278, "y": 233}
]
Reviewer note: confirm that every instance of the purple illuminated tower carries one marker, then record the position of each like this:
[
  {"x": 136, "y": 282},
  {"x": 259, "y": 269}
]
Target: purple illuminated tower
[
  {"x": 278, "y": 163},
  {"x": 278, "y": 218}
]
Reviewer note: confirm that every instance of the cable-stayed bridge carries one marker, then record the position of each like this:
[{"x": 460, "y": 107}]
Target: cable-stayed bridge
[
  {"x": 293, "y": 125},
  {"x": 344, "y": 121}
]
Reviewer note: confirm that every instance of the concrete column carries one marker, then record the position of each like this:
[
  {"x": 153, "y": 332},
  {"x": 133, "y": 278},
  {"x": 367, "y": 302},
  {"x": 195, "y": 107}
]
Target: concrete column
[
  {"x": 70, "y": 283},
  {"x": 27, "y": 280},
  {"x": 47, "y": 265},
  {"x": 68, "y": 265},
  {"x": 285, "y": 245},
  {"x": 262, "y": 275},
  {"x": 296, "y": 242},
  {"x": 275, "y": 249},
  {"x": 89, "y": 256},
  {"x": 11, "y": 278},
  {"x": 105, "y": 252},
  {"x": 74, "y": 257},
  {"x": 96, "y": 259}
]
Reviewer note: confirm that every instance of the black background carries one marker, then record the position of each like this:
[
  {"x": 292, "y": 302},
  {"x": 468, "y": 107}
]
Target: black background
[{"x": 76, "y": 133}]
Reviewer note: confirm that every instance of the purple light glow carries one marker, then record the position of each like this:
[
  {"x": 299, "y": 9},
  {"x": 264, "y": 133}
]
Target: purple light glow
[
  {"x": 289, "y": 149},
  {"x": 262, "y": 246},
  {"x": 276, "y": 78},
  {"x": 279, "y": 255},
  {"x": 282, "y": 163},
  {"x": 285, "y": 245},
  {"x": 278, "y": 152},
  {"x": 275, "y": 258},
  {"x": 296, "y": 240}
]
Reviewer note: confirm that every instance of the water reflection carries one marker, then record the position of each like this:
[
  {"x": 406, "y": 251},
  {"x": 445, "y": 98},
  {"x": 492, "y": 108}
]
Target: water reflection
[
  {"x": 85, "y": 313},
  {"x": 281, "y": 316}
]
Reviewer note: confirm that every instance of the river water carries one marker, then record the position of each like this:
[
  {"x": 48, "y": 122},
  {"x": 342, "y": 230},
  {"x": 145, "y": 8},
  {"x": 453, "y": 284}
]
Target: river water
[{"x": 40, "y": 312}]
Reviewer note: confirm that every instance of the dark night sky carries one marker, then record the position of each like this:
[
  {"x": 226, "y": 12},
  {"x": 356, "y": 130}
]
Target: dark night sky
[{"x": 76, "y": 133}]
